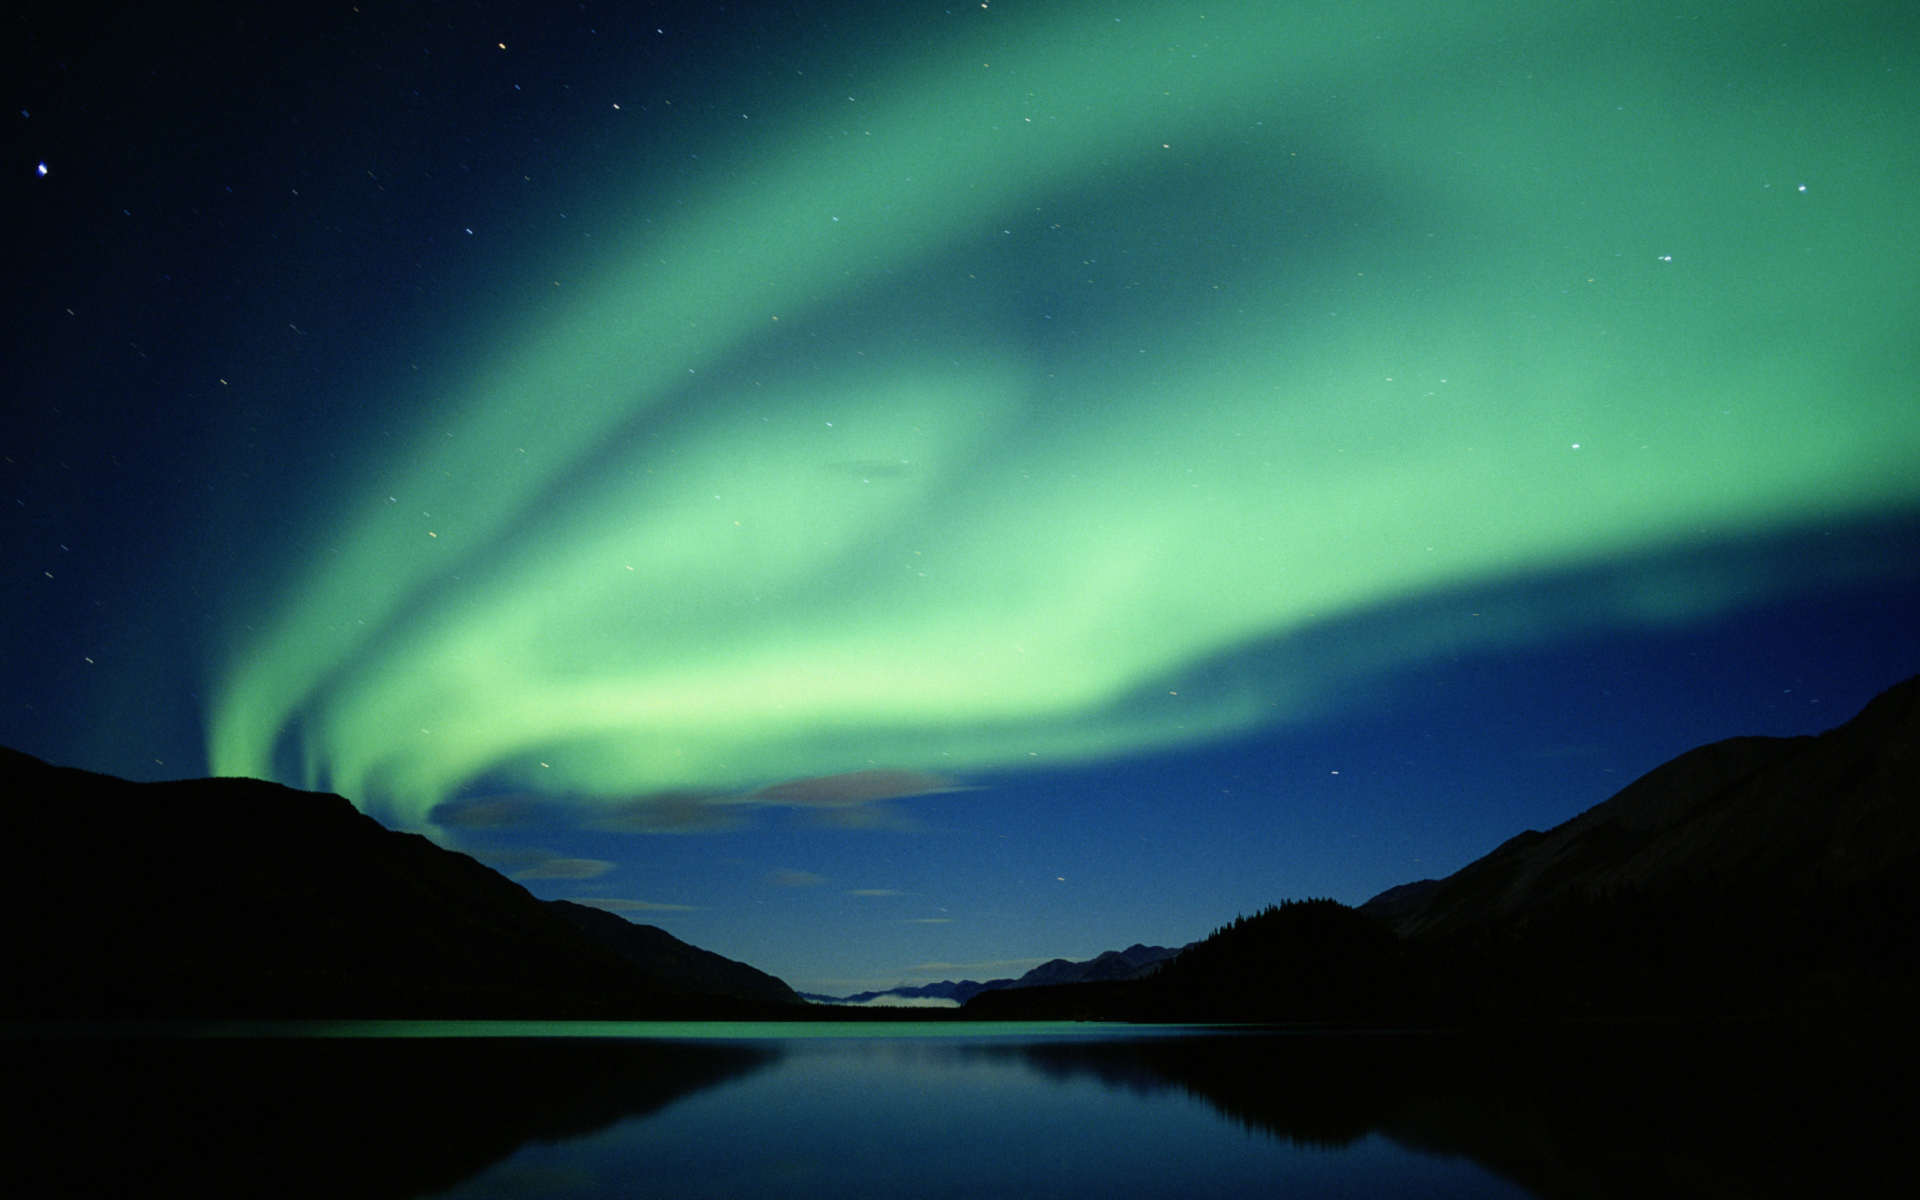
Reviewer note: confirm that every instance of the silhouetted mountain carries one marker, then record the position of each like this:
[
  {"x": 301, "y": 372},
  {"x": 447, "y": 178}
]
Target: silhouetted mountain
[
  {"x": 1834, "y": 811},
  {"x": 235, "y": 897},
  {"x": 1753, "y": 874},
  {"x": 1303, "y": 960},
  {"x": 1400, "y": 900},
  {"x": 1135, "y": 962},
  {"x": 1300, "y": 961},
  {"x": 664, "y": 956}
]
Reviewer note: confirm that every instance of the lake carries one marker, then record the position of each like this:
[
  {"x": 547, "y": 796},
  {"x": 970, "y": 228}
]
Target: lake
[{"x": 933, "y": 1109}]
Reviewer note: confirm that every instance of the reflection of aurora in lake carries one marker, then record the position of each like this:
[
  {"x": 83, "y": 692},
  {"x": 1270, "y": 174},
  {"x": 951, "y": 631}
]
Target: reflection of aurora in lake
[{"x": 954, "y": 425}]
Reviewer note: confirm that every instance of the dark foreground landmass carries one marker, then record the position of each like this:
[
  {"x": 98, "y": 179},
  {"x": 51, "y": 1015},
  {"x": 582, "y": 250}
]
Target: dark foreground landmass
[
  {"x": 1753, "y": 877},
  {"x": 239, "y": 898}
]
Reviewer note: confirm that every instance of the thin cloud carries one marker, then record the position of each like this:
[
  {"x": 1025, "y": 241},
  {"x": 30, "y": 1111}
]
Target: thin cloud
[
  {"x": 983, "y": 970},
  {"x": 615, "y": 904},
  {"x": 875, "y": 892},
  {"x": 567, "y": 868},
  {"x": 867, "y": 815},
  {"x": 488, "y": 812},
  {"x": 855, "y": 787},
  {"x": 508, "y": 859},
  {"x": 853, "y": 800},
  {"x": 931, "y": 972},
  {"x": 795, "y": 879},
  {"x": 671, "y": 812}
]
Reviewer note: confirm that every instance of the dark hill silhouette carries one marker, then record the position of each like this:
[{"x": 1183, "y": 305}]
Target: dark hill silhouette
[
  {"x": 1135, "y": 962},
  {"x": 1754, "y": 876},
  {"x": 235, "y": 897},
  {"x": 1302, "y": 960},
  {"x": 664, "y": 956},
  {"x": 1836, "y": 811},
  {"x": 1315, "y": 961}
]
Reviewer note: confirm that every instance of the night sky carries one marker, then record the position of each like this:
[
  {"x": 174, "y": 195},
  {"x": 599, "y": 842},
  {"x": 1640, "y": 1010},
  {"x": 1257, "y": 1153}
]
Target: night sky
[{"x": 903, "y": 491}]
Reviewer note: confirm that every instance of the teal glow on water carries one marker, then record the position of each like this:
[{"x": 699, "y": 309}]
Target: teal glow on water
[
  {"x": 933, "y": 1110},
  {"x": 731, "y": 1031}
]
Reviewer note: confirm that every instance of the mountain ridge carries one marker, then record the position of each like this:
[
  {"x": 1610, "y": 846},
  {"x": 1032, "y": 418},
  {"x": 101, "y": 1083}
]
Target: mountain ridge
[
  {"x": 1822, "y": 811},
  {"x": 1135, "y": 962},
  {"x": 239, "y": 897},
  {"x": 1751, "y": 877}
]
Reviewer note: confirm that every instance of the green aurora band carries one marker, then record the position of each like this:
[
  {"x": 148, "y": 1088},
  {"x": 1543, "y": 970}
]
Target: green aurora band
[{"x": 953, "y": 419}]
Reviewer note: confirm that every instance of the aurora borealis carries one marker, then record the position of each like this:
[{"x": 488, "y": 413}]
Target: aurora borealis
[{"x": 840, "y": 413}]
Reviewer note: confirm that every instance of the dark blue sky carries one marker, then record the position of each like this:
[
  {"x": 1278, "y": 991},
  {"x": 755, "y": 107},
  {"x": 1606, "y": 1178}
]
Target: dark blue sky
[{"x": 1203, "y": 464}]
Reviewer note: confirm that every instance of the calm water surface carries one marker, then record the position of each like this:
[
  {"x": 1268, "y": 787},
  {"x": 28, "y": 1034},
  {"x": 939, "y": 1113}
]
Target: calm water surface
[
  {"x": 465, "y": 1109},
  {"x": 929, "y": 1111}
]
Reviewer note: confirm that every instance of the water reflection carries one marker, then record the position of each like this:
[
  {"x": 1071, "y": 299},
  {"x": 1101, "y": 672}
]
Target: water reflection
[
  {"x": 1746, "y": 1110},
  {"x": 304, "y": 1116},
  {"x": 938, "y": 1117},
  {"x": 952, "y": 1110}
]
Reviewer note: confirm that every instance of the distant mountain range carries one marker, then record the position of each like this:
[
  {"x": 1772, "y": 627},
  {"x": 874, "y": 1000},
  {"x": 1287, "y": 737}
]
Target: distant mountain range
[
  {"x": 1135, "y": 962},
  {"x": 234, "y": 897}
]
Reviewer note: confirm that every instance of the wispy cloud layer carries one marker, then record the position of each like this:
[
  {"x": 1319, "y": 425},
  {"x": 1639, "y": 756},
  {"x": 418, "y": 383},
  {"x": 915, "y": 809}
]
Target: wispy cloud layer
[
  {"x": 616, "y": 904},
  {"x": 853, "y": 800},
  {"x": 795, "y": 879},
  {"x": 567, "y": 868},
  {"x": 855, "y": 787}
]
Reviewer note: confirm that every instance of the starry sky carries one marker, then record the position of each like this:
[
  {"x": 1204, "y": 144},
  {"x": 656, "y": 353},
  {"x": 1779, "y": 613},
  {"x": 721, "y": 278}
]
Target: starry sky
[{"x": 892, "y": 492}]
